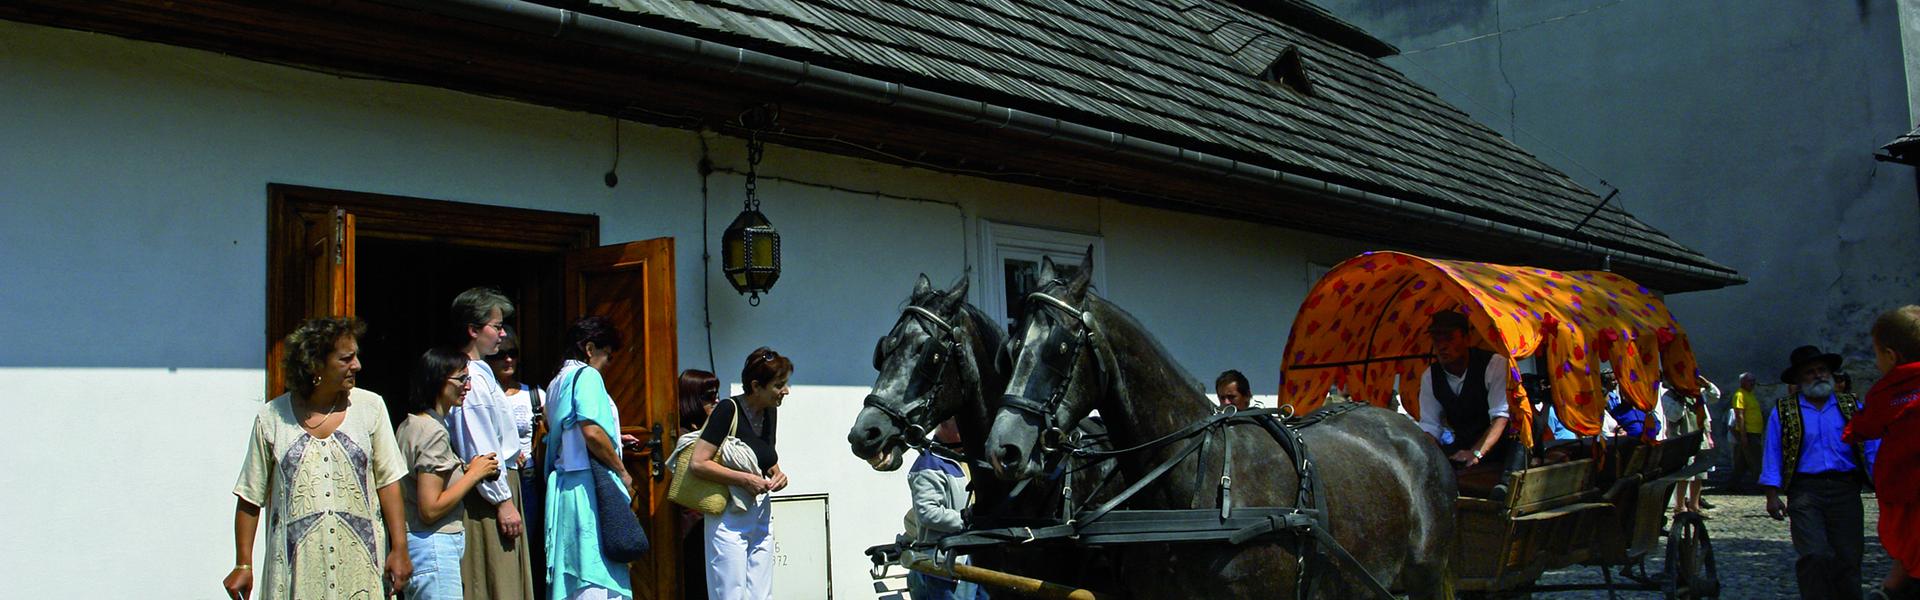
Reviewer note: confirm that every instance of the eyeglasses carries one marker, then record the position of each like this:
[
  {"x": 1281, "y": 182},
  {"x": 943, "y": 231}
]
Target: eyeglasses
[
  {"x": 504, "y": 354},
  {"x": 462, "y": 379},
  {"x": 497, "y": 325}
]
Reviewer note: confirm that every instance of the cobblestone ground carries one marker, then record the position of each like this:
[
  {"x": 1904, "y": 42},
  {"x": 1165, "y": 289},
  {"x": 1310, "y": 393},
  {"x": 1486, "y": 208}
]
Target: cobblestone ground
[{"x": 1753, "y": 551}]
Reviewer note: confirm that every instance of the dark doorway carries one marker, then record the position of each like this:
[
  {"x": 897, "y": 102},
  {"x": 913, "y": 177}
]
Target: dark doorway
[
  {"x": 405, "y": 288},
  {"x": 397, "y": 263}
]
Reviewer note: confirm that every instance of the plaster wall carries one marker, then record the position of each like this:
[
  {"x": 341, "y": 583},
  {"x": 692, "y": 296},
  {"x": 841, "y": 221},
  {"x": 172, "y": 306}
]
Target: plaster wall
[
  {"x": 1745, "y": 130},
  {"x": 134, "y": 179},
  {"x": 1909, "y": 15}
]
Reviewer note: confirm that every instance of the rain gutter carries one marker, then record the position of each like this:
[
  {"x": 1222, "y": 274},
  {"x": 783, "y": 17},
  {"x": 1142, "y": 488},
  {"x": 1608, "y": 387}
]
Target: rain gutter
[{"x": 528, "y": 17}]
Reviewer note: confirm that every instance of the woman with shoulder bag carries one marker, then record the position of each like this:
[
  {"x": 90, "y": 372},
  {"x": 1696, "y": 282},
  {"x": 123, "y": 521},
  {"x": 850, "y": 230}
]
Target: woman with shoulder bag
[
  {"x": 582, "y": 428},
  {"x": 739, "y": 539}
]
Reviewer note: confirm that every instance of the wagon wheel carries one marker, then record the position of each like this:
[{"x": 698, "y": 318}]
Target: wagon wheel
[{"x": 1690, "y": 571}]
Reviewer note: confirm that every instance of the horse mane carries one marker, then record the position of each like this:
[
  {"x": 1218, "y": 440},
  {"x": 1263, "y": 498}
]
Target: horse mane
[{"x": 1134, "y": 335}]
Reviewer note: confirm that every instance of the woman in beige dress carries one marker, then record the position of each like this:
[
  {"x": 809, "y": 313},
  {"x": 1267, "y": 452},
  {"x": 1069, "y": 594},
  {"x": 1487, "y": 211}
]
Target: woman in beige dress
[{"x": 323, "y": 465}]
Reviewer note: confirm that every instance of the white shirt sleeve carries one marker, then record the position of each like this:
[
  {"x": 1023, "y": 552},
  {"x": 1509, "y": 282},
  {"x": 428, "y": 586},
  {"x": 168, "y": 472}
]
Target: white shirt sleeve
[
  {"x": 1496, "y": 377},
  {"x": 1429, "y": 407},
  {"x": 483, "y": 424}
]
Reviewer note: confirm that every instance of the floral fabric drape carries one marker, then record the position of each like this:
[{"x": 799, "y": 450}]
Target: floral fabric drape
[{"x": 1363, "y": 328}]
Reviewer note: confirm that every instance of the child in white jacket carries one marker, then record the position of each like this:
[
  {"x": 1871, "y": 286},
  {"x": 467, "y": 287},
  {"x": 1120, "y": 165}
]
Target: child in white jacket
[{"x": 939, "y": 487}]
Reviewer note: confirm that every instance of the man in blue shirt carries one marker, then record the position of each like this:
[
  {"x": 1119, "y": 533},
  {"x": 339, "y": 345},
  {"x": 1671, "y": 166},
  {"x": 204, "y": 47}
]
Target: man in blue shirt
[{"x": 1822, "y": 475}]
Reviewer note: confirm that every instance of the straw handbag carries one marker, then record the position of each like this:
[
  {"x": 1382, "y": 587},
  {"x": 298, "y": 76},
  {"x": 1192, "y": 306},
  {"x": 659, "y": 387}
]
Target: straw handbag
[{"x": 709, "y": 497}]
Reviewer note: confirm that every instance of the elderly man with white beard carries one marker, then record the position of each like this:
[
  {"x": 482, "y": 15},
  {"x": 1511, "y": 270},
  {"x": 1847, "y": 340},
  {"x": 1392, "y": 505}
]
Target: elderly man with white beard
[{"x": 1821, "y": 474}]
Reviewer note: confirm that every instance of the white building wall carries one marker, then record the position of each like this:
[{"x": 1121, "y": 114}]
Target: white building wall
[{"x": 132, "y": 279}]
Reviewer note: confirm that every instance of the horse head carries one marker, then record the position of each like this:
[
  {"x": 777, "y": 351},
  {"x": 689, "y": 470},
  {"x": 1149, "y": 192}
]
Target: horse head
[
  {"x": 1055, "y": 374},
  {"x": 929, "y": 371}
]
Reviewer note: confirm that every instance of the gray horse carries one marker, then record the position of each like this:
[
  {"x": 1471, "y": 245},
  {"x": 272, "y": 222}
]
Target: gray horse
[
  {"x": 1388, "y": 492},
  {"x": 937, "y": 362}
]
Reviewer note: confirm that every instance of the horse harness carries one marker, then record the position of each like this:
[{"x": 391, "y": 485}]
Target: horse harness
[
  {"x": 945, "y": 351},
  {"x": 1053, "y": 436},
  {"x": 1305, "y": 522},
  {"x": 1304, "y": 525}
]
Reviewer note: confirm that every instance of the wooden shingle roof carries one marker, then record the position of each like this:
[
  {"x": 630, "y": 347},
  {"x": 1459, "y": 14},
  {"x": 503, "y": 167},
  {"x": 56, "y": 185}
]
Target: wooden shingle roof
[{"x": 1186, "y": 73}]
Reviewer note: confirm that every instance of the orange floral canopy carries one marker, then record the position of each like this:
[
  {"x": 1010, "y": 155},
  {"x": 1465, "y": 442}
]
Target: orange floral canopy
[{"x": 1363, "y": 328}]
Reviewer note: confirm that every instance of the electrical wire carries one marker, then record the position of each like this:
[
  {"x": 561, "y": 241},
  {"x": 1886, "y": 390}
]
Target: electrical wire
[
  {"x": 706, "y": 257},
  {"x": 965, "y": 261}
]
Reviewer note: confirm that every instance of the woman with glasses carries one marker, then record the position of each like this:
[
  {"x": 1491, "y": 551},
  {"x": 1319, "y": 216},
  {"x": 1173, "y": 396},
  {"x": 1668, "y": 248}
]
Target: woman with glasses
[
  {"x": 739, "y": 539},
  {"x": 436, "y": 483},
  {"x": 497, "y": 566},
  {"x": 525, "y": 402},
  {"x": 699, "y": 392},
  {"x": 583, "y": 428},
  {"x": 322, "y": 463}
]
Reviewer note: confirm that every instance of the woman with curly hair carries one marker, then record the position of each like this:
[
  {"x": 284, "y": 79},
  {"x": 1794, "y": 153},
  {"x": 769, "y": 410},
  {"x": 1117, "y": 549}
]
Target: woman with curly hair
[{"x": 323, "y": 463}]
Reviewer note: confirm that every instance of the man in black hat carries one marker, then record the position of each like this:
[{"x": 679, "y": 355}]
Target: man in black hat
[
  {"x": 1466, "y": 389},
  {"x": 1822, "y": 475}
]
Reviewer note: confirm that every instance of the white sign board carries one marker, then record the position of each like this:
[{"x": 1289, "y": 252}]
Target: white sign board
[{"x": 801, "y": 548}]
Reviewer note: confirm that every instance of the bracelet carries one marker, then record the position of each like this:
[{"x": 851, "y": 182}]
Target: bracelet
[{"x": 244, "y": 567}]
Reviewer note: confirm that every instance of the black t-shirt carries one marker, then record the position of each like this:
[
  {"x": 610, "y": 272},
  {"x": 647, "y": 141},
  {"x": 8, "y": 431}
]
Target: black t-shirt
[{"x": 759, "y": 440}]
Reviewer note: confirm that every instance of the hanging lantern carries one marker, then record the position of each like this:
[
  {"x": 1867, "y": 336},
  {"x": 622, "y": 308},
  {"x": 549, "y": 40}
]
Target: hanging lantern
[{"x": 750, "y": 247}]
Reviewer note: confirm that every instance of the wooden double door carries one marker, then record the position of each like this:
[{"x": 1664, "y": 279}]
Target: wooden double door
[{"x": 397, "y": 262}]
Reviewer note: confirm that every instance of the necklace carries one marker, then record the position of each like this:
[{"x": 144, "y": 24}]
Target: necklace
[{"x": 323, "y": 418}]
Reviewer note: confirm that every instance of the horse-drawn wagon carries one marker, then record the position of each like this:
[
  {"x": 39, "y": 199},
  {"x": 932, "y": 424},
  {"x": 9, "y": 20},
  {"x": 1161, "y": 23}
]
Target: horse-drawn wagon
[
  {"x": 1355, "y": 502},
  {"x": 1599, "y": 501}
]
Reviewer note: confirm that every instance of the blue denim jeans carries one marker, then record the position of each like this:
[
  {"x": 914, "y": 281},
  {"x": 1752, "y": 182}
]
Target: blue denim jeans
[
  {"x": 921, "y": 586},
  {"x": 436, "y": 565}
]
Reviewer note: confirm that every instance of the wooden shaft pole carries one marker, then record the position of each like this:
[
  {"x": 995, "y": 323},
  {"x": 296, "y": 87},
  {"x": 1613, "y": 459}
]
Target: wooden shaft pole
[{"x": 1025, "y": 586}]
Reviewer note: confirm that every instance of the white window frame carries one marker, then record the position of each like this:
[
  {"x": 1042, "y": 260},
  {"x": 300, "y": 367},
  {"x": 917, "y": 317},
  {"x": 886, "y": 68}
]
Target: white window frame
[{"x": 1002, "y": 241}]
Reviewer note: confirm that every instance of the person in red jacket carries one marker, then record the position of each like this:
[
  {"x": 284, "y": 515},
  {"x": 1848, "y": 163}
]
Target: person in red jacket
[{"x": 1892, "y": 414}]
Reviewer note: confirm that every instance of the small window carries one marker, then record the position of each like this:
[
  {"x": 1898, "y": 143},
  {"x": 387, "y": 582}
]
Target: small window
[
  {"x": 1290, "y": 70},
  {"x": 1012, "y": 254}
]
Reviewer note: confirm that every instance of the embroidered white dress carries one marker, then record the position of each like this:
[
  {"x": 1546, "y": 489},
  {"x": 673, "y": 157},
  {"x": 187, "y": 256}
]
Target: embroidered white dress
[{"x": 324, "y": 534}]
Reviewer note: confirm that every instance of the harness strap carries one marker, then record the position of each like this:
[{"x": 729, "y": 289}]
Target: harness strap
[
  {"x": 1339, "y": 552},
  {"x": 1184, "y": 432},
  {"x": 1226, "y": 479},
  {"x": 1127, "y": 494}
]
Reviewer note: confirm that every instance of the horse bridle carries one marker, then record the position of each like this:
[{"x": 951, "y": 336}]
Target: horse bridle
[
  {"x": 1053, "y": 436},
  {"x": 946, "y": 351}
]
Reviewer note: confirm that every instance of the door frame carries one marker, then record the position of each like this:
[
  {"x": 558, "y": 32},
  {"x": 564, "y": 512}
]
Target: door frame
[{"x": 390, "y": 217}]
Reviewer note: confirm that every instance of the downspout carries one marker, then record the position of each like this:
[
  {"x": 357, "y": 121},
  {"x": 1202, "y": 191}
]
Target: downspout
[{"x": 679, "y": 49}]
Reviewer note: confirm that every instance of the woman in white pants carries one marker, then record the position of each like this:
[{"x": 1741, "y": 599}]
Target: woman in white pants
[{"x": 740, "y": 539}]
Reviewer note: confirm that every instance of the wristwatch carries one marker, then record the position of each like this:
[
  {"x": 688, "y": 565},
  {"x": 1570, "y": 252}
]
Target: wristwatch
[{"x": 1477, "y": 455}]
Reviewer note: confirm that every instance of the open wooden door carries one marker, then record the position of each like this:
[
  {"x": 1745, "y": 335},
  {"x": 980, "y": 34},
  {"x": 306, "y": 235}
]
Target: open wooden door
[
  {"x": 632, "y": 284},
  {"x": 320, "y": 281}
]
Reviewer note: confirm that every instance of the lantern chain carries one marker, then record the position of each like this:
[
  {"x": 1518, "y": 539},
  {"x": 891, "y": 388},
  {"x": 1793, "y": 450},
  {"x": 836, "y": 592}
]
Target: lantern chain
[{"x": 755, "y": 149}]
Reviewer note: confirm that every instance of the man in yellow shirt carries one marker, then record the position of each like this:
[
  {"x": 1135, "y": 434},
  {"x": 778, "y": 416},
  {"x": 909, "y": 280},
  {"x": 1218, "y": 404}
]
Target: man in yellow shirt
[{"x": 1749, "y": 429}]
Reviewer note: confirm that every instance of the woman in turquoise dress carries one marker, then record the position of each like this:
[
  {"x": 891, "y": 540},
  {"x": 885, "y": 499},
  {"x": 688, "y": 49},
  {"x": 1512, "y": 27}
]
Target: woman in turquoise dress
[{"x": 583, "y": 426}]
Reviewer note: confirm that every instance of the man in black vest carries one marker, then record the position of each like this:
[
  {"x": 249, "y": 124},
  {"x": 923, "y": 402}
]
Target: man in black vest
[
  {"x": 1822, "y": 475},
  {"x": 1467, "y": 393}
]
